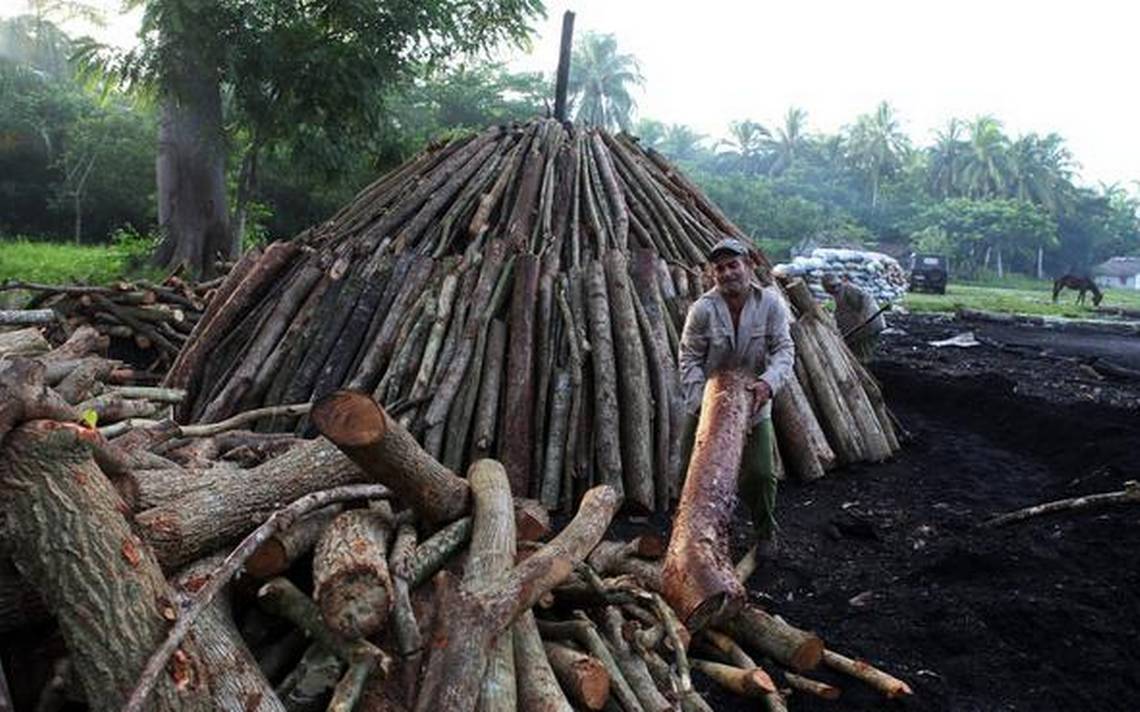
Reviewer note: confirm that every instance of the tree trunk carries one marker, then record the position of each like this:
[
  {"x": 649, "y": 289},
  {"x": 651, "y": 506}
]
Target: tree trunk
[
  {"x": 277, "y": 554},
  {"x": 246, "y": 185},
  {"x": 191, "y": 173},
  {"x": 23, "y": 342},
  {"x": 889, "y": 685},
  {"x": 489, "y": 558},
  {"x": 607, "y": 422},
  {"x": 699, "y": 581},
  {"x": 802, "y": 442},
  {"x": 112, "y": 603},
  {"x": 236, "y": 681}
]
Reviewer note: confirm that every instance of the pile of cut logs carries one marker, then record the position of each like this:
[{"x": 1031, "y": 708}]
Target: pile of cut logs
[
  {"x": 520, "y": 295},
  {"x": 149, "y": 321},
  {"x": 122, "y": 542},
  {"x": 110, "y": 392}
]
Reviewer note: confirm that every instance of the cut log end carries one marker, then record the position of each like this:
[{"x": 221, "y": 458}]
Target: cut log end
[
  {"x": 808, "y": 654},
  {"x": 349, "y": 418},
  {"x": 270, "y": 559},
  {"x": 355, "y": 606}
]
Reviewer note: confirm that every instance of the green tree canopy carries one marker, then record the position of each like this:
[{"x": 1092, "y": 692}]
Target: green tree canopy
[
  {"x": 601, "y": 79},
  {"x": 268, "y": 72}
]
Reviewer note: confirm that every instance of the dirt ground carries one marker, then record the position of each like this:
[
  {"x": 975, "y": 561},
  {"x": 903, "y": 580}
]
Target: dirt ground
[{"x": 889, "y": 563}]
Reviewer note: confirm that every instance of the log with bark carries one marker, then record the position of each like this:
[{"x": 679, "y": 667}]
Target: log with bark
[
  {"x": 351, "y": 583},
  {"x": 698, "y": 577},
  {"x": 112, "y": 604}
]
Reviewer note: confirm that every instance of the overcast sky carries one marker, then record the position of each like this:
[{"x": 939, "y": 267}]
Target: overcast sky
[{"x": 1040, "y": 66}]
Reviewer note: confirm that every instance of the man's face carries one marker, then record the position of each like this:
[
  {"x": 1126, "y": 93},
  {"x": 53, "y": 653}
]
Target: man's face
[
  {"x": 830, "y": 286},
  {"x": 731, "y": 275}
]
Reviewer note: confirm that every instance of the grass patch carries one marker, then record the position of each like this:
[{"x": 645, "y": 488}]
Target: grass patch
[
  {"x": 1033, "y": 298},
  {"x": 28, "y": 260}
]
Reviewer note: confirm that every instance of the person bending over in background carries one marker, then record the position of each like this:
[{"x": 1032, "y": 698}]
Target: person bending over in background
[{"x": 857, "y": 315}]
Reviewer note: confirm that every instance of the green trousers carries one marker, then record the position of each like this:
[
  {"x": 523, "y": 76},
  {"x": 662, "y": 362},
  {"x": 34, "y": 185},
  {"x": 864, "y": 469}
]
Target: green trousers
[{"x": 756, "y": 482}]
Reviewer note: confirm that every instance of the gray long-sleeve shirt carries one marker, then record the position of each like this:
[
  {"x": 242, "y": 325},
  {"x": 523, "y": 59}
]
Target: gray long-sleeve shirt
[{"x": 761, "y": 344}]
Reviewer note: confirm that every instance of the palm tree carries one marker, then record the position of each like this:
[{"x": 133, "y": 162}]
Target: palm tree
[
  {"x": 600, "y": 82},
  {"x": 985, "y": 172},
  {"x": 1040, "y": 170},
  {"x": 789, "y": 140},
  {"x": 681, "y": 143},
  {"x": 747, "y": 143},
  {"x": 877, "y": 147},
  {"x": 946, "y": 160}
]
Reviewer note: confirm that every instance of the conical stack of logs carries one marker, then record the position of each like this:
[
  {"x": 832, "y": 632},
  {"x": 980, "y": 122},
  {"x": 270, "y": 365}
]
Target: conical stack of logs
[{"x": 516, "y": 294}]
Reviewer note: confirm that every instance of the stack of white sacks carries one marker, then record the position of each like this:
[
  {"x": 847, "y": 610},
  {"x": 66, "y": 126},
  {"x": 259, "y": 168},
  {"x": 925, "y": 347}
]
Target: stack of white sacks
[{"x": 879, "y": 274}]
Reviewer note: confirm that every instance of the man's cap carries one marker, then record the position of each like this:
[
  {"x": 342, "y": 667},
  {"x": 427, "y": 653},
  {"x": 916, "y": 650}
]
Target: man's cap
[{"x": 728, "y": 247}]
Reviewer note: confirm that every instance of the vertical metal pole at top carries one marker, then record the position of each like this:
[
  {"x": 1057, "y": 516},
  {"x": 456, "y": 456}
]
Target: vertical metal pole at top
[{"x": 563, "y": 77}]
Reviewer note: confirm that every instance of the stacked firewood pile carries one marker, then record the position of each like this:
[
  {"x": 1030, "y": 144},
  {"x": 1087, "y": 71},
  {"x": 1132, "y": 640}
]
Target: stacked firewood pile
[
  {"x": 323, "y": 599},
  {"x": 109, "y": 392},
  {"x": 149, "y": 321},
  {"x": 520, "y": 294}
]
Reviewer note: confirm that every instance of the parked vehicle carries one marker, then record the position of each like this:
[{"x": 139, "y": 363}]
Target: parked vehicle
[{"x": 928, "y": 273}]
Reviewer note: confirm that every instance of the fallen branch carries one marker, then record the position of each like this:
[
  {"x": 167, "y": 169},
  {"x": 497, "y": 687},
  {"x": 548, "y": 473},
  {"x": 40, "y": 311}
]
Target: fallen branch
[
  {"x": 1130, "y": 494},
  {"x": 889, "y": 685},
  {"x": 278, "y": 521},
  {"x": 812, "y": 687},
  {"x": 26, "y": 317},
  {"x": 205, "y": 431}
]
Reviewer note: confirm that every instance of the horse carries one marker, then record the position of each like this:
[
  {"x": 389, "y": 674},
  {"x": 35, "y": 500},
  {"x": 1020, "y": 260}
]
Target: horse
[{"x": 1081, "y": 284}]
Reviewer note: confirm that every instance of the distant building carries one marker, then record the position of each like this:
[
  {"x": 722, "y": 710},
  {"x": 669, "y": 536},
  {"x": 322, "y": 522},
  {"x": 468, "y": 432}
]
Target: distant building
[{"x": 1121, "y": 272}]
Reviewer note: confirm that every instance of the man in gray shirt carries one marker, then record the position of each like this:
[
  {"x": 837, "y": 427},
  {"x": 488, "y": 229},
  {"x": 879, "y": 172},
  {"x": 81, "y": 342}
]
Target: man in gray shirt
[{"x": 739, "y": 324}]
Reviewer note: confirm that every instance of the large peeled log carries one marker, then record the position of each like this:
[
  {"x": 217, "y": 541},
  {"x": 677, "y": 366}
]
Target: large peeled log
[{"x": 698, "y": 578}]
